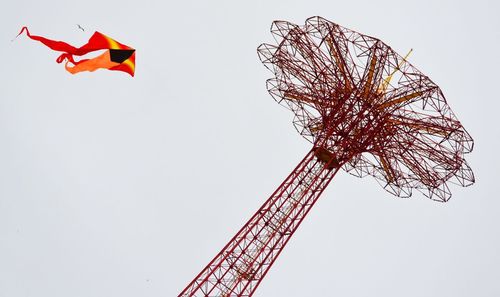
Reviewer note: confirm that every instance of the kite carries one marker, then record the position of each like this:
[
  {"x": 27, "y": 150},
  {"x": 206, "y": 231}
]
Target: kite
[{"x": 117, "y": 56}]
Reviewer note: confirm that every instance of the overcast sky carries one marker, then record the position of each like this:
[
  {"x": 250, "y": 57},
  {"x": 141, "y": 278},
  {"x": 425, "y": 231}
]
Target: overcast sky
[{"x": 119, "y": 186}]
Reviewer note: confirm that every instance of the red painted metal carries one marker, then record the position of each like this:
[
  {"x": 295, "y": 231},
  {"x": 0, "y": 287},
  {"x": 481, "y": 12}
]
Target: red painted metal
[
  {"x": 366, "y": 110},
  {"x": 238, "y": 269}
]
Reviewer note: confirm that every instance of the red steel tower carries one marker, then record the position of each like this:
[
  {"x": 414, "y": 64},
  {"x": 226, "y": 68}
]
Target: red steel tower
[{"x": 366, "y": 110}]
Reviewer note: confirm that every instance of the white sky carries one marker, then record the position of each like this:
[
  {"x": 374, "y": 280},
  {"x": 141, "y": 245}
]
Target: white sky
[{"x": 119, "y": 186}]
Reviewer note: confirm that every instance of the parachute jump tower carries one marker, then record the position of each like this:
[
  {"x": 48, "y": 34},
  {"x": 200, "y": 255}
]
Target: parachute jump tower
[{"x": 365, "y": 109}]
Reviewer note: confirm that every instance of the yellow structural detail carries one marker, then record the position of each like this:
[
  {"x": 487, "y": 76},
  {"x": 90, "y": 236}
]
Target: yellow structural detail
[
  {"x": 298, "y": 97},
  {"x": 339, "y": 62},
  {"x": 369, "y": 83},
  {"x": 400, "y": 100},
  {"x": 385, "y": 83},
  {"x": 387, "y": 168},
  {"x": 443, "y": 131}
]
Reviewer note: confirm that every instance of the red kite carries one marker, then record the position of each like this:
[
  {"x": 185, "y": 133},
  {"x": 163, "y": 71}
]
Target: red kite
[{"x": 116, "y": 57}]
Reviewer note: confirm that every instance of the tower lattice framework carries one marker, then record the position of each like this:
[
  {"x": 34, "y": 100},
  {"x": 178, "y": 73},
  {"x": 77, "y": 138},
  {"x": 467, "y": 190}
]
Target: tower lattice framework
[{"x": 365, "y": 109}]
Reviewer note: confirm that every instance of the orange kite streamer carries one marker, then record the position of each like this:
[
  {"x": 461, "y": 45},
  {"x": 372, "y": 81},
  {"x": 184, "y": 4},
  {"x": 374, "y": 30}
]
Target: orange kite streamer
[{"x": 116, "y": 57}]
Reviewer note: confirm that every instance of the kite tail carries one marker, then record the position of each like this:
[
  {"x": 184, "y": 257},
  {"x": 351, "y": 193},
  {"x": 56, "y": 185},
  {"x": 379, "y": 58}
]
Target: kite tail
[
  {"x": 102, "y": 61},
  {"x": 59, "y": 46}
]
